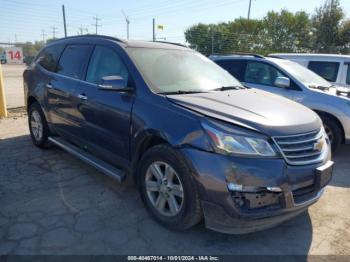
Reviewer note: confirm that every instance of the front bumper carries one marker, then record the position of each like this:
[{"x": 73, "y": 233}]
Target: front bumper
[{"x": 238, "y": 213}]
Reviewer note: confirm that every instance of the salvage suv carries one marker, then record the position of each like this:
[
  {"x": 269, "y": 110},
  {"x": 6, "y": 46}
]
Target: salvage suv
[
  {"x": 197, "y": 143},
  {"x": 293, "y": 81}
]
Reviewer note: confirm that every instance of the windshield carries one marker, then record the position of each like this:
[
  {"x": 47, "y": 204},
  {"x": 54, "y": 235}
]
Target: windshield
[
  {"x": 176, "y": 71},
  {"x": 302, "y": 74}
]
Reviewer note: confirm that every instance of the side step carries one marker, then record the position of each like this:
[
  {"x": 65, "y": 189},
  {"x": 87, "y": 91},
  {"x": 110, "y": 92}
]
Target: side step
[{"x": 89, "y": 159}]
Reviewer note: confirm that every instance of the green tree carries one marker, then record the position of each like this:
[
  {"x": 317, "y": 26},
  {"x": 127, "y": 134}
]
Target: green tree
[
  {"x": 287, "y": 32},
  {"x": 327, "y": 22}
]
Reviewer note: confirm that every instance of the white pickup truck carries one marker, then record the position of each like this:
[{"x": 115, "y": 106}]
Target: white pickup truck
[{"x": 333, "y": 68}]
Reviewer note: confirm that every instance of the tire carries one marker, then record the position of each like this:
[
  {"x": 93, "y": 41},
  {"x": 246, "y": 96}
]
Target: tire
[
  {"x": 333, "y": 131},
  {"x": 189, "y": 210},
  {"x": 37, "y": 117}
]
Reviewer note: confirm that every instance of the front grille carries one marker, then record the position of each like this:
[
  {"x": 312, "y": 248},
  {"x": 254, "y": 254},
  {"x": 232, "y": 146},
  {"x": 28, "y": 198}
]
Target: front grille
[{"x": 303, "y": 149}]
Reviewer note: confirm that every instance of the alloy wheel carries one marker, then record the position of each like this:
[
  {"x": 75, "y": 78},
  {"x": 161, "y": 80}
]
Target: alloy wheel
[
  {"x": 164, "y": 188},
  {"x": 36, "y": 125},
  {"x": 329, "y": 133}
]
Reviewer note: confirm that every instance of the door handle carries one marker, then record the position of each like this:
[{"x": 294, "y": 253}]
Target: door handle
[
  {"x": 49, "y": 85},
  {"x": 82, "y": 97}
]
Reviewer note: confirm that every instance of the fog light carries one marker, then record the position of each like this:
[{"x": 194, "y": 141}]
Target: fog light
[
  {"x": 241, "y": 188},
  {"x": 274, "y": 189},
  {"x": 251, "y": 189}
]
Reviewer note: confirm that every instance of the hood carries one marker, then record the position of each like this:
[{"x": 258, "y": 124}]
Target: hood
[{"x": 254, "y": 109}]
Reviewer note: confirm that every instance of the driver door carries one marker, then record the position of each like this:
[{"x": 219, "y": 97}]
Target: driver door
[{"x": 106, "y": 114}]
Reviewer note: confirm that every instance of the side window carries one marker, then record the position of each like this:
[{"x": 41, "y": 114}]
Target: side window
[
  {"x": 261, "y": 73},
  {"x": 328, "y": 70},
  {"x": 105, "y": 62},
  {"x": 48, "y": 58},
  {"x": 348, "y": 75},
  {"x": 73, "y": 61},
  {"x": 234, "y": 67}
]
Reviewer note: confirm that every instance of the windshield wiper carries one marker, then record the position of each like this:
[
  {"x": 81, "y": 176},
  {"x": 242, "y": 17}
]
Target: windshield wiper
[
  {"x": 225, "y": 88},
  {"x": 181, "y": 92}
]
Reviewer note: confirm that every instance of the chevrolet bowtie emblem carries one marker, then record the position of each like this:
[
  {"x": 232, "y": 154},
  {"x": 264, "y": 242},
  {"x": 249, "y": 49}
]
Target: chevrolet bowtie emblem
[{"x": 318, "y": 145}]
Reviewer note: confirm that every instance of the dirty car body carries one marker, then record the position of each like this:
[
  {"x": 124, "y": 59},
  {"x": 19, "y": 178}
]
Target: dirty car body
[{"x": 255, "y": 159}]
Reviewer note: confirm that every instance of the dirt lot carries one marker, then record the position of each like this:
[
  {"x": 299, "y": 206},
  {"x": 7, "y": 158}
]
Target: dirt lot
[
  {"x": 52, "y": 203},
  {"x": 13, "y": 82}
]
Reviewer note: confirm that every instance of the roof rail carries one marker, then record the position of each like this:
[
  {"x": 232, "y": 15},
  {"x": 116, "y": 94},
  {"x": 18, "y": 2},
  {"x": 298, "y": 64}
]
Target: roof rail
[
  {"x": 96, "y": 36},
  {"x": 275, "y": 56},
  {"x": 241, "y": 54},
  {"x": 171, "y": 43}
]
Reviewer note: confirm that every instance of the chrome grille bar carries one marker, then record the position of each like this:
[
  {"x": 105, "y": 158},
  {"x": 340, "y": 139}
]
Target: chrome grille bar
[{"x": 302, "y": 149}]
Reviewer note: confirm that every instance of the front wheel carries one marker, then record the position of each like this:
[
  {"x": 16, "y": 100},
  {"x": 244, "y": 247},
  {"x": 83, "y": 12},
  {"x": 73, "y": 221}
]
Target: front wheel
[
  {"x": 333, "y": 131},
  {"x": 167, "y": 188}
]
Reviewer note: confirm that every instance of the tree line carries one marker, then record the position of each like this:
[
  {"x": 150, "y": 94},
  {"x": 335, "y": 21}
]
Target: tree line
[{"x": 326, "y": 30}]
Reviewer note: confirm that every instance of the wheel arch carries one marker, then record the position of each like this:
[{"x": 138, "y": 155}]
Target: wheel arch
[
  {"x": 145, "y": 144},
  {"x": 323, "y": 113}
]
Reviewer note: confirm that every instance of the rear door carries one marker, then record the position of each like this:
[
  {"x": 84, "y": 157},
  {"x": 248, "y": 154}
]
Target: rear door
[
  {"x": 106, "y": 114},
  {"x": 62, "y": 90}
]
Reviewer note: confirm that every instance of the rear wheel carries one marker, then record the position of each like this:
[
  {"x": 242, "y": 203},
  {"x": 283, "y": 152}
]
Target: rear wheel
[
  {"x": 167, "y": 188},
  {"x": 38, "y": 127},
  {"x": 333, "y": 131}
]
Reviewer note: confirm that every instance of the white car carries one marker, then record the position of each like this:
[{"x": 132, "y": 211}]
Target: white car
[
  {"x": 291, "y": 80},
  {"x": 333, "y": 68}
]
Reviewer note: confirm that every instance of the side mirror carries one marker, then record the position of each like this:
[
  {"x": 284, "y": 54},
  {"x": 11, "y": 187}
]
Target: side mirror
[
  {"x": 283, "y": 82},
  {"x": 114, "y": 83}
]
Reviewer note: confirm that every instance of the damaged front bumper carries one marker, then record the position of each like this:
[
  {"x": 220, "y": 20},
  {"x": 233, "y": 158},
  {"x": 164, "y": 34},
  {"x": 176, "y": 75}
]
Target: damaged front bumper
[{"x": 262, "y": 194}]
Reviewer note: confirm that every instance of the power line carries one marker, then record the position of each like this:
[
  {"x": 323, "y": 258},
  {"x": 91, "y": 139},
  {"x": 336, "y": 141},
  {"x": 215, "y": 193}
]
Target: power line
[{"x": 96, "y": 23}]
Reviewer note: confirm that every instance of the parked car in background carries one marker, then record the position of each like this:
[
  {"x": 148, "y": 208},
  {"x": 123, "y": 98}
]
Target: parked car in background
[
  {"x": 333, "y": 68},
  {"x": 3, "y": 59},
  {"x": 28, "y": 60},
  {"x": 293, "y": 81},
  {"x": 197, "y": 142}
]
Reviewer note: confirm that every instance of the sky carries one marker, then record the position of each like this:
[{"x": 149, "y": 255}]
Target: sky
[{"x": 30, "y": 20}]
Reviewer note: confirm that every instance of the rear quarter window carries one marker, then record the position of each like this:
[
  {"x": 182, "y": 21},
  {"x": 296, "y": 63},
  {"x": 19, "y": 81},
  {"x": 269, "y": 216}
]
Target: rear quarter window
[
  {"x": 234, "y": 67},
  {"x": 348, "y": 75},
  {"x": 49, "y": 56},
  {"x": 328, "y": 70}
]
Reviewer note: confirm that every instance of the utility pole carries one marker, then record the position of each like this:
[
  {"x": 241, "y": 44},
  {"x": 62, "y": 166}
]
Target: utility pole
[
  {"x": 43, "y": 34},
  {"x": 64, "y": 21},
  {"x": 54, "y": 31},
  {"x": 16, "y": 40},
  {"x": 154, "y": 30},
  {"x": 96, "y": 23},
  {"x": 250, "y": 5},
  {"x": 82, "y": 29},
  {"x": 127, "y": 20}
]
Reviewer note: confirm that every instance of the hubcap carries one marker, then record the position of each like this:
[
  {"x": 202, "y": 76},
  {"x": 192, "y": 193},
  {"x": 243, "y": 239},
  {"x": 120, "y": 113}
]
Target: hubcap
[
  {"x": 36, "y": 125},
  {"x": 164, "y": 188},
  {"x": 329, "y": 133}
]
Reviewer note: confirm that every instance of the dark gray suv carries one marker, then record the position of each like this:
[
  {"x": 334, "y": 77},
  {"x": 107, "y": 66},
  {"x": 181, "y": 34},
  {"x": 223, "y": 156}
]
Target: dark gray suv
[{"x": 197, "y": 143}]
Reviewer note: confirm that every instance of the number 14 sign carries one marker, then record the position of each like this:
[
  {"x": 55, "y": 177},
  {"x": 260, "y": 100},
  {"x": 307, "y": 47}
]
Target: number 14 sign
[{"x": 14, "y": 55}]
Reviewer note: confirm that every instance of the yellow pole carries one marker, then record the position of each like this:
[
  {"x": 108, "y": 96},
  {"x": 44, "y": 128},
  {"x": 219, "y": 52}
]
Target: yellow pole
[{"x": 3, "y": 111}]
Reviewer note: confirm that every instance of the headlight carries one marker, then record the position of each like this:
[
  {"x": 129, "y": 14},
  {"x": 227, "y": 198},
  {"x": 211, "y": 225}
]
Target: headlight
[{"x": 240, "y": 143}]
